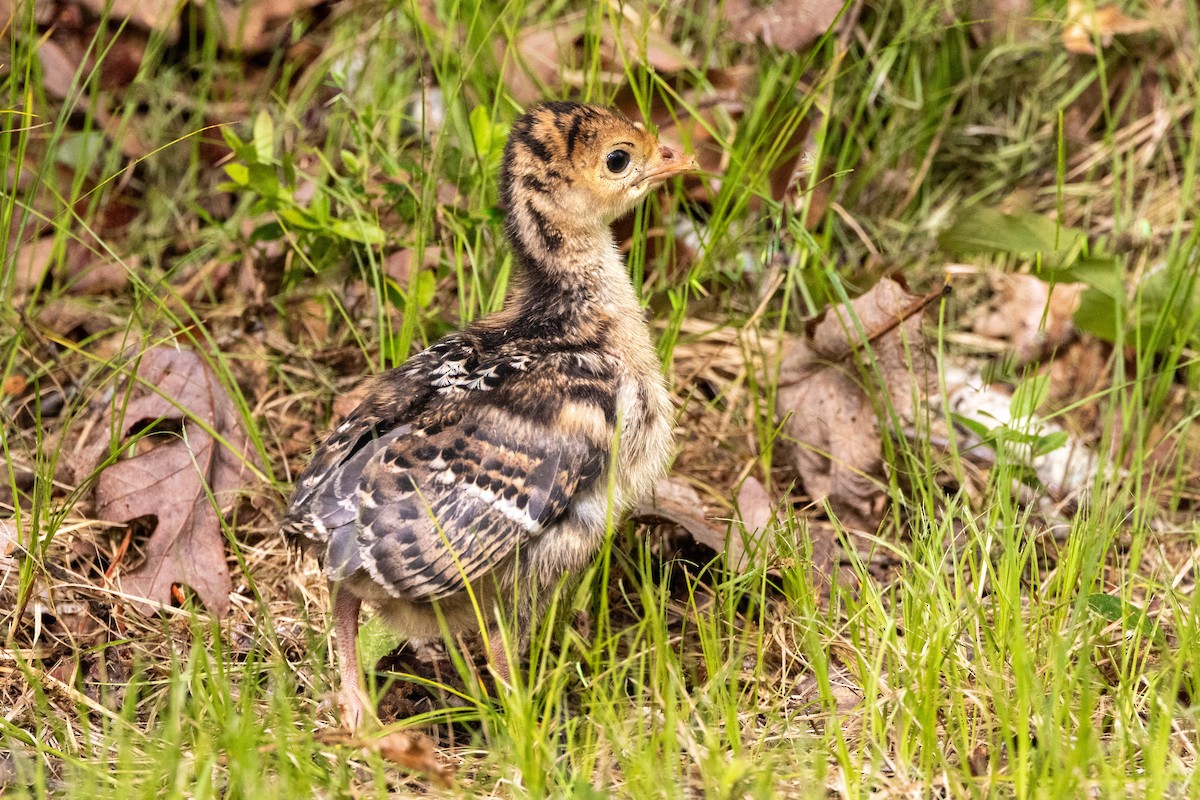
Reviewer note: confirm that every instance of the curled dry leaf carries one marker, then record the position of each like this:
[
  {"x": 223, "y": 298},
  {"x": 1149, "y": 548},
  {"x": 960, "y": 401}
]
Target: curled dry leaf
[
  {"x": 750, "y": 532},
  {"x": 103, "y": 276},
  {"x": 58, "y": 70},
  {"x": 674, "y": 500},
  {"x": 79, "y": 269},
  {"x": 8, "y": 546},
  {"x": 1066, "y": 471},
  {"x": 1000, "y": 19},
  {"x": 826, "y": 396},
  {"x": 845, "y": 691},
  {"x": 171, "y": 483},
  {"x": 345, "y": 402}
]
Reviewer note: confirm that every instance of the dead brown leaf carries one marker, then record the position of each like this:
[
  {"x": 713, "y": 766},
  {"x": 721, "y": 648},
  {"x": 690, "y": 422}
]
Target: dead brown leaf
[
  {"x": 675, "y": 500},
  {"x": 546, "y": 59},
  {"x": 826, "y": 396},
  {"x": 759, "y": 519},
  {"x": 1087, "y": 24},
  {"x": 8, "y": 545},
  {"x": 398, "y": 264},
  {"x": 250, "y": 26},
  {"x": 14, "y": 385},
  {"x": 58, "y": 70},
  {"x": 754, "y": 506},
  {"x": 152, "y": 15},
  {"x": 307, "y": 321},
  {"x": 782, "y": 176},
  {"x": 74, "y": 318},
  {"x": 649, "y": 46},
  {"x": 171, "y": 482},
  {"x": 786, "y": 24},
  {"x": 410, "y": 750},
  {"x": 122, "y": 59},
  {"x": 91, "y": 275},
  {"x": 531, "y": 63},
  {"x": 1028, "y": 315},
  {"x": 30, "y": 262},
  {"x": 844, "y": 690},
  {"x": 998, "y": 19},
  {"x": 415, "y": 752}
]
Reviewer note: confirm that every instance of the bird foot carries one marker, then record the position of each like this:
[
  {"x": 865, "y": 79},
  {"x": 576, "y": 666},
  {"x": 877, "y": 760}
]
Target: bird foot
[{"x": 352, "y": 705}]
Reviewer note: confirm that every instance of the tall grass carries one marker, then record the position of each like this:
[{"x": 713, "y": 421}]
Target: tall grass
[{"x": 1001, "y": 657}]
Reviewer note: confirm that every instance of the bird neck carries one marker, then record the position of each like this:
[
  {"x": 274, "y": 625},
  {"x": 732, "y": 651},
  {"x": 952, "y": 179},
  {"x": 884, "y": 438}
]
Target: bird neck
[{"x": 573, "y": 278}]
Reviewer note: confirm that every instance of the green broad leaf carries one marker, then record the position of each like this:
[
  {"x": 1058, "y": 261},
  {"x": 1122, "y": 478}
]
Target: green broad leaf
[
  {"x": 376, "y": 640},
  {"x": 1013, "y": 436},
  {"x": 299, "y": 218},
  {"x": 482, "y": 131},
  {"x": 974, "y": 426},
  {"x": 1029, "y": 396},
  {"x": 421, "y": 288},
  {"x": 1101, "y": 272},
  {"x": 238, "y": 173},
  {"x": 582, "y": 790},
  {"x": 351, "y": 161},
  {"x": 319, "y": 207},
  {"x": 426, "y": 288},
  {"x": 264, "y": 138},
  {"x": 1165, "y": 302},
  {"x": 1105, "y": 605},
  {"x": 392, "y": 349},
  {"x": 986, "y": 230},
  {"x": 267, "y": 232},
  {"x": 1169, "y": 300},
  {"x": 1114, "y": 609},
  {"x": 358, "y": 231},
  {"x": 262, "y": 179},
  {"x": 81, "y": 151},
  {"x": 231, "y": 139},
  {"x": 1099, "y": 314},
  {"x": 1050, "y": 442}
]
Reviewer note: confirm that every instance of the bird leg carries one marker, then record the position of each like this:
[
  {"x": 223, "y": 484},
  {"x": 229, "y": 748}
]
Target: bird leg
[
  {"x": 498, "y": 656},
  {"x": 351, "y": 699}
]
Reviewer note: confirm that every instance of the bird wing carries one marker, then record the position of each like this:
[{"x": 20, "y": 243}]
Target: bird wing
[
  {"x": 437, "y": 511},
  {"x": 436, "y": 477},
  {"x": 325, "y": 499}
]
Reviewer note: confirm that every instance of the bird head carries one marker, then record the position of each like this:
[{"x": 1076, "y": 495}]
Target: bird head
[{"x": 576, "y": 166}]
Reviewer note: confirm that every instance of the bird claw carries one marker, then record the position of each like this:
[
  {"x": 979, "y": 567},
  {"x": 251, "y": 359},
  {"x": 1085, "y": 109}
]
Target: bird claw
[{"x": 352, "y": 705}]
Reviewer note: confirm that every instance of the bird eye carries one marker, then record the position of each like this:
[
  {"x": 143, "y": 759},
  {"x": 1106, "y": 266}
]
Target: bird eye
[{"x": 617, "y": 161}]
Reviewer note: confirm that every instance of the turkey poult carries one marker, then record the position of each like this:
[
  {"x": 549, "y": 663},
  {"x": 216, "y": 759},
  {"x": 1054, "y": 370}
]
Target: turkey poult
[{"x": 488, "y": 467}]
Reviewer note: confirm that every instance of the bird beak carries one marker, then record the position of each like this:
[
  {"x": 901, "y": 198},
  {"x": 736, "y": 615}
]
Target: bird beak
[{"x": 668, "y": 163}]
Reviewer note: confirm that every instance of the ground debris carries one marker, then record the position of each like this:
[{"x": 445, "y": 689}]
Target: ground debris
[
  {"x": 830, "y": 384},
  {"x": 1088, "y": 23},
  {"x": 201, "y": 464},
  {"x": 407, "y": 749},
  {"x": 676, "y": 501},
  {"x": 1028, "y": 315},
  {"x": 786, "y": 24}
]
